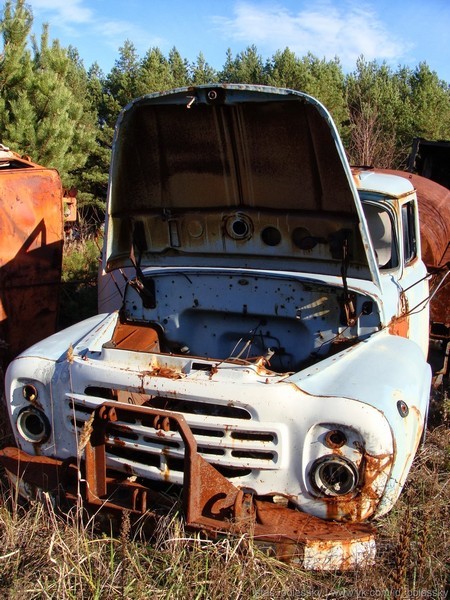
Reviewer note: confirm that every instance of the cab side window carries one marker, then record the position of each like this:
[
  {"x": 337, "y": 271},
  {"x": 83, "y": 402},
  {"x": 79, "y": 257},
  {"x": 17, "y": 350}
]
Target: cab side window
[{"x": 409, "y": 232}]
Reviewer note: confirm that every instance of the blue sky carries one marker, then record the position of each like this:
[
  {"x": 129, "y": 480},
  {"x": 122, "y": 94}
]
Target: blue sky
[{"x": 400, "y": 32}]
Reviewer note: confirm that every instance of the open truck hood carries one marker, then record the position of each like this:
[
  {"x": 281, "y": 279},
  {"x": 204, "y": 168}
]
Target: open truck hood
[{"x": 234, "y": 176}]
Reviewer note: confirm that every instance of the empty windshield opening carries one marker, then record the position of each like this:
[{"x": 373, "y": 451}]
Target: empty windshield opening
[{"x": 382, "y": 235}]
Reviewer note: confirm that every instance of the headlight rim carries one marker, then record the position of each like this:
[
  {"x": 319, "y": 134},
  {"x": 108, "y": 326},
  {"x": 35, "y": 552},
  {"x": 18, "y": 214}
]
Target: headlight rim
[
  {"x": 322, "y": 488},
  {"x": 26, "y": 432}
]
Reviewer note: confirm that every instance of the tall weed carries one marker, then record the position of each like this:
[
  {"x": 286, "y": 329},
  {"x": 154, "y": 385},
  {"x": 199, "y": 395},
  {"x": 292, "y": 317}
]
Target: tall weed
[{"x": 78, "y": 293}]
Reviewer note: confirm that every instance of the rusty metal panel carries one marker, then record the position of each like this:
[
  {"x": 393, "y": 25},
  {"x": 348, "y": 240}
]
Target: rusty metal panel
[
  {"x": 434, "y": 206},
  {"x": 431, "y": 159},
  {"x": 131, "y": 336},
  {"x": 31, "y": 240}
]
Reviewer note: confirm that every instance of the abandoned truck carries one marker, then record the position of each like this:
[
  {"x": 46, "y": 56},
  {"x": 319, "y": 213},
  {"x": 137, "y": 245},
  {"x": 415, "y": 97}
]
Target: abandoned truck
[{"x": 269, "y": 357}]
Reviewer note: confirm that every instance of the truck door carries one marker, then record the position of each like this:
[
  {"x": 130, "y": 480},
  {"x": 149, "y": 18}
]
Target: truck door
[{"x": 413, "y": 275}]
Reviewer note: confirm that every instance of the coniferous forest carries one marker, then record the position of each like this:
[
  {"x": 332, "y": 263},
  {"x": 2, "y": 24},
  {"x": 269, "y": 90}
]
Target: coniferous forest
[{"x": 62, "y": 114}]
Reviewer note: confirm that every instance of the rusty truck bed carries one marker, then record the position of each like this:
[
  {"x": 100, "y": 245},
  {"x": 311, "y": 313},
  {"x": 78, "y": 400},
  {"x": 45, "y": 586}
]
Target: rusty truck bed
[{"x": 31, "y": 243}]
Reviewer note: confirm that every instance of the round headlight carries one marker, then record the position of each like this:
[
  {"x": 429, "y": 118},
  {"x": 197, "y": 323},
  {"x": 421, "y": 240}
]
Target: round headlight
[
  {"x": 334, "y": 476},
  {"x": 33, "y": 425}
]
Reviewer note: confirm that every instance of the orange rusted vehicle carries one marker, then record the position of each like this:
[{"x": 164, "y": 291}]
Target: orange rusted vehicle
[{"x": 31, "y": 241}]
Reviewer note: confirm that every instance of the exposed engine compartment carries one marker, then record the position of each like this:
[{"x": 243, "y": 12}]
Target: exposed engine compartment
[{"x": 232, "y": 315}]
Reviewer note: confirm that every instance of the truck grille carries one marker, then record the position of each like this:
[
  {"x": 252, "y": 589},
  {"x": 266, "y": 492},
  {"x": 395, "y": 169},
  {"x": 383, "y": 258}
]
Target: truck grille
[{"x": 226, "y": 436}]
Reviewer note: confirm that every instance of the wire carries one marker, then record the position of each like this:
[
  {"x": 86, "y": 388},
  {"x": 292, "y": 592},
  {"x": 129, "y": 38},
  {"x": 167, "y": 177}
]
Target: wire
[{"x": 414, "y": 311}]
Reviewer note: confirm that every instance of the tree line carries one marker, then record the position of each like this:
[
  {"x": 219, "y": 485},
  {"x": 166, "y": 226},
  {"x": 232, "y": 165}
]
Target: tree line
[{"x": 63, "y": 115}]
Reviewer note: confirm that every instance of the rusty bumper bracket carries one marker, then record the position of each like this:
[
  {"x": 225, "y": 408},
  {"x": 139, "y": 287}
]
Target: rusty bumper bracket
[{"x": 211, "y": 503}]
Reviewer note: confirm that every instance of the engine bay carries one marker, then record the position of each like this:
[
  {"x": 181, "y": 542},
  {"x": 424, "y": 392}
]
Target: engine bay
[{"x": 285, "y": 322}]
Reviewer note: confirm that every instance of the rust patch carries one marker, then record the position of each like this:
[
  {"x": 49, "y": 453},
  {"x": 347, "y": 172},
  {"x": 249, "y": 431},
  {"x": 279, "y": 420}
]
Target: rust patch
[
  {"x": 414, "y": 410},
  {"x": 213, "y": 371},
  {"x": 359, "y": 507},
  {"x": 440, "y": 291},
  {"x": 128, "y": 469},
  {"x": 136, "y": 337},
  {"x": 335, "y": 439},
  {"x": 161, "y": 424},
  {"x": 128, "y": 397},
  {"x": 262, "y": 365},
  {"x": 399, "y": 326},
  {"x": 165, "y": 372}
]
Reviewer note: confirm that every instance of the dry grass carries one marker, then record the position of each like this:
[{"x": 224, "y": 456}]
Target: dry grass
[{"x": 46, "y": 555}]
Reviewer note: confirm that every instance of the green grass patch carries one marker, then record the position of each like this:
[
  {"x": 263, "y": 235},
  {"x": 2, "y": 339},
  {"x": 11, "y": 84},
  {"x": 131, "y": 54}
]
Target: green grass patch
[
  {"x": 80, "y": 260},
  {"x": 78, "y": 294}
]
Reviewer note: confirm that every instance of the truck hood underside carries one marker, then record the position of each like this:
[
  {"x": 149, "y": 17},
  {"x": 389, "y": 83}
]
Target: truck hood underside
[{"x": 233, "y": 176}]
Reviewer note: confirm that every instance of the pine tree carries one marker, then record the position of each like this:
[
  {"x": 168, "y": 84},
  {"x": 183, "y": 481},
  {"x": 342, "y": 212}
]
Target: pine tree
[
  {"x": 229, "y": 72},
  {"x": 155, "y": 73},
  {"x": 378, "y": 109},
  {"x": 122, "y": 83},
  {"x": 44, "y": 112},
  {"x": 65, "y": 127},
  {"x": 202, "y": 72},
  {"x": 286, "y": 70},
  {"x": 430, "y": 99},
  {"x": 16, "y": 110},
  {"x": 327, "y": 83},
  {"x": 92, "y": 179},
  {"x": 249, "y": 67},
  {"x": 179, "y": 68}
]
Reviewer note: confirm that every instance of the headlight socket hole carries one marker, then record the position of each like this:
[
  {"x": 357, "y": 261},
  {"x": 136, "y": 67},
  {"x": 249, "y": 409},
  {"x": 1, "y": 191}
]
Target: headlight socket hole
[
  {"x": 335, "y": 439},
  {"x": 29, "y": 392}
]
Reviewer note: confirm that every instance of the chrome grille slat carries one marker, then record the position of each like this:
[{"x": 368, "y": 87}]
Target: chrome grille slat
[{"x": 227, "y": 459}]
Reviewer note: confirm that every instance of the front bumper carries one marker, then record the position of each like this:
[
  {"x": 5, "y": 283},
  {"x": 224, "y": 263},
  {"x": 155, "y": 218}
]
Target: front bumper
[{"x": 211, "y": 503}]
